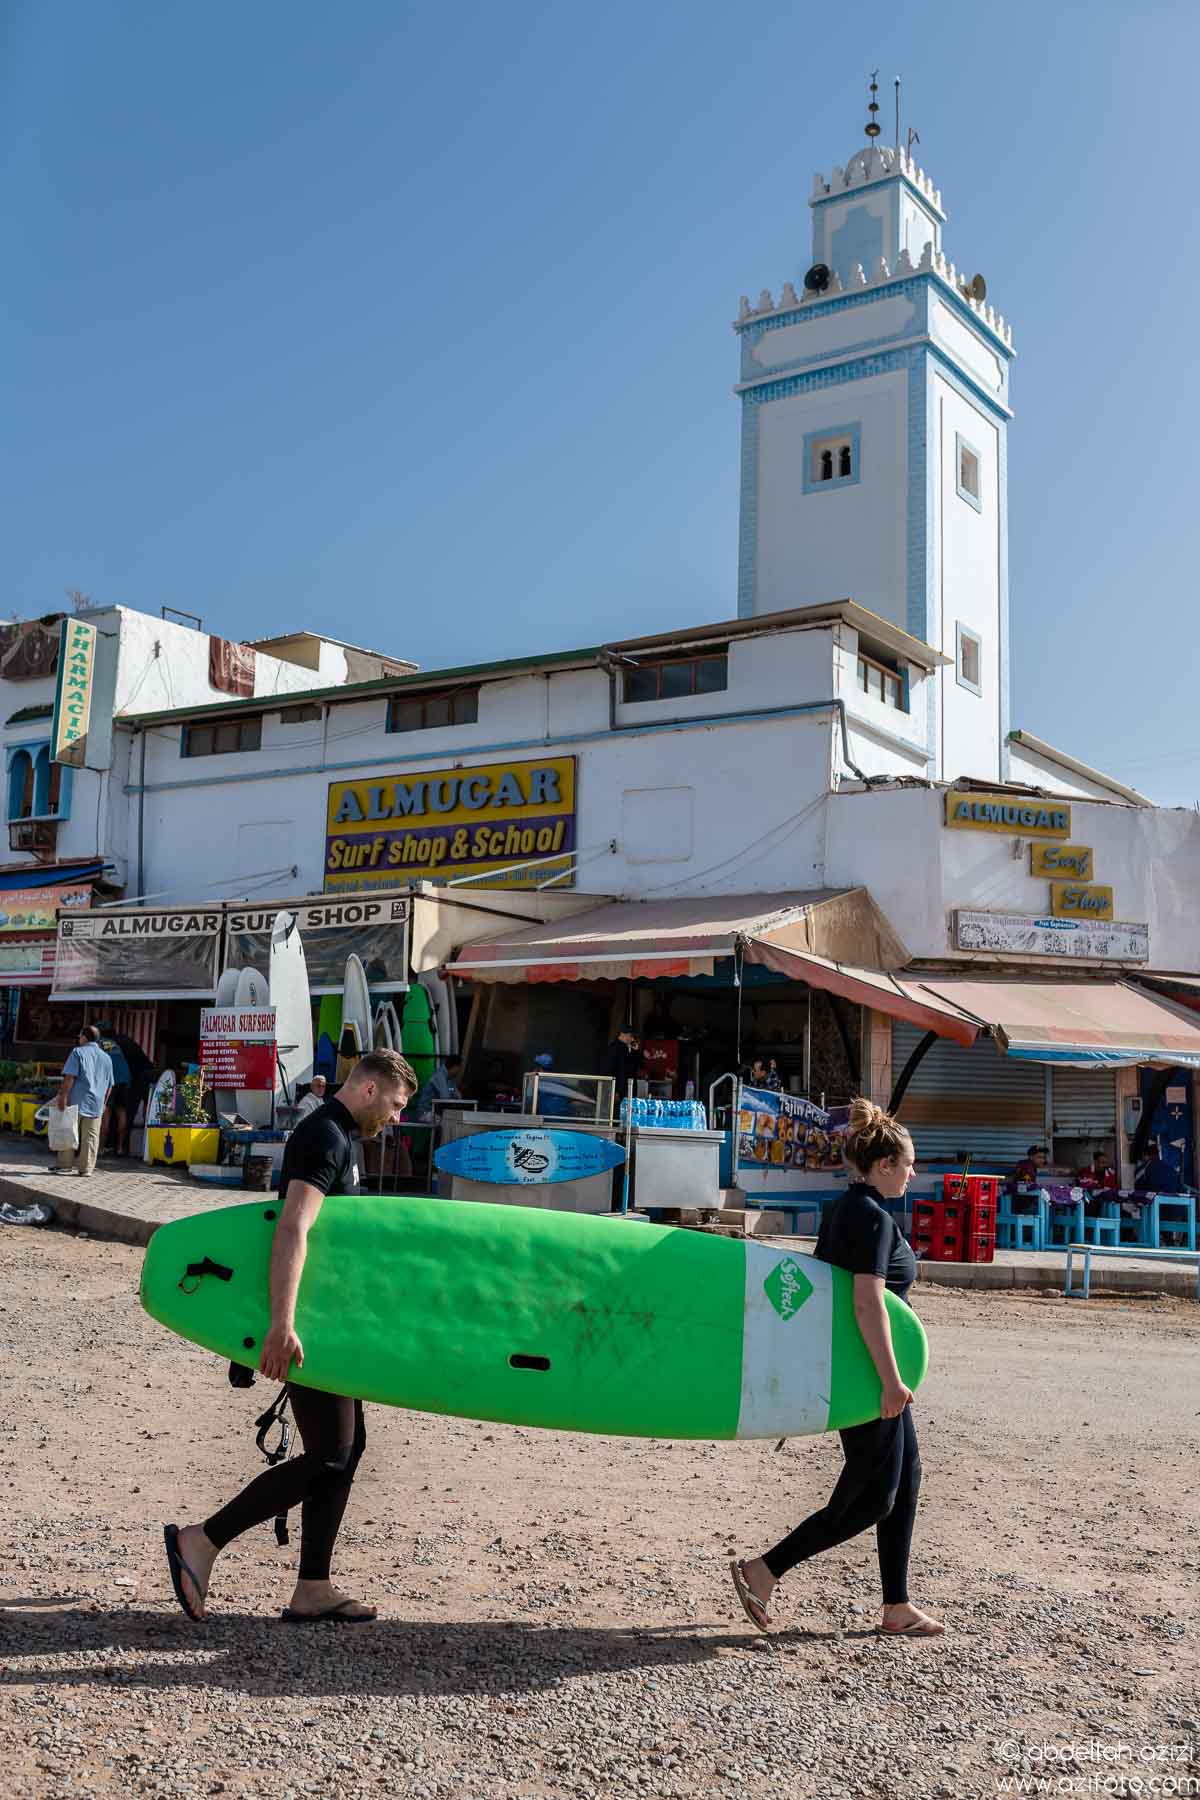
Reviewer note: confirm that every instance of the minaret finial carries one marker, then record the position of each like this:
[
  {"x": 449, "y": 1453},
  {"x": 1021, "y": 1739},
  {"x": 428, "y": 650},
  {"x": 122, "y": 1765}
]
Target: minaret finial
[{"x": 872, "y": 127}]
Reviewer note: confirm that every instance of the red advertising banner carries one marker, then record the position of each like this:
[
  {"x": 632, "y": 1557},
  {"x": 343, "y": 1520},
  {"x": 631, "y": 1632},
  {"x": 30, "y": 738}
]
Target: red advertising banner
[{"x": 237, "y": 1047}]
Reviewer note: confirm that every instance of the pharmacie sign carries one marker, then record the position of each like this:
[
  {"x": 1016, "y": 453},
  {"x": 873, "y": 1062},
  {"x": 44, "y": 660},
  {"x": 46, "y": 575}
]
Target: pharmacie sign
[
  {"x": 1014, "y": 816},
  {"x": 459, "y": 821},
  {"x": 73, "y": 695}
]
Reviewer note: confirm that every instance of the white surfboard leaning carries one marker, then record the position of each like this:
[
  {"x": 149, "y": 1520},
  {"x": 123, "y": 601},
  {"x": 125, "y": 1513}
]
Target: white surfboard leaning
[
  {"x": 293, "y": 1009},
  {"x": 252, "y": 990},
  {"x": 225, "y": 1099}
]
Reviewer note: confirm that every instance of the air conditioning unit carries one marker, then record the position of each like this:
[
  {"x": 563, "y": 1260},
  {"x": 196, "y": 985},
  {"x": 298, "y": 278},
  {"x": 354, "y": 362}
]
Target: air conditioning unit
[{"x": 33, "y": 834}]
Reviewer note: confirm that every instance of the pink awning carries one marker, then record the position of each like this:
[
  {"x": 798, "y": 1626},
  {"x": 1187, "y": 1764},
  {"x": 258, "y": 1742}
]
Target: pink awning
[{"x": 1090, "y": 1024}]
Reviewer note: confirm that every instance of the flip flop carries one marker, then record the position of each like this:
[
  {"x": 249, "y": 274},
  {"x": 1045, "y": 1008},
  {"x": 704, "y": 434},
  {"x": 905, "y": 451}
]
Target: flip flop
[
  {"x": 920, "y": 1628},
  {"x": 178, "y": 1570},
  {"x": 749, "y": 1599},
  {"x": 333, "y": 1615}
]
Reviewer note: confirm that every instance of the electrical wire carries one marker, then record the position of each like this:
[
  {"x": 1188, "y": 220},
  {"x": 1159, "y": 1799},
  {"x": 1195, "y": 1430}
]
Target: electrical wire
[
  {"x": 743, "y": 855},
  {"x": 261, "y": 877}
]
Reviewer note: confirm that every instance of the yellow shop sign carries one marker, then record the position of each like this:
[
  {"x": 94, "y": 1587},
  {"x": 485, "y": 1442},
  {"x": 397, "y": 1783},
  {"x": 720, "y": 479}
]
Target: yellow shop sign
[
  {"x": 1080, "y": 900},
  {"x": 1013, "y": 815},
  {"x": 1058, "y": 861},
  {"x": 387, "y": 830}
]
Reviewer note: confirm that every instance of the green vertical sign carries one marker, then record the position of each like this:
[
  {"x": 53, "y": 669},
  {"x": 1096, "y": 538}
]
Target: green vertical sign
[{"x": 73, "y": 696}]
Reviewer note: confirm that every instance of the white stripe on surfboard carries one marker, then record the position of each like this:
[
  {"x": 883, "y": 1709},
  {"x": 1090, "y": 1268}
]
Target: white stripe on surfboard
[{"x": 785, "y": 1359}]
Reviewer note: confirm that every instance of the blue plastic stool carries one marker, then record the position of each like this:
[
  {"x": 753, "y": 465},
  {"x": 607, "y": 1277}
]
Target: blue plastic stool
[
  {"x": 1019, "y": 1231},
  {"x": 1104, "y": 1227},
  {"x": 1065, "y": 1225}
]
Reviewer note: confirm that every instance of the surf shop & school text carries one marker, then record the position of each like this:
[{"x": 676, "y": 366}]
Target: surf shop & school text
[{"x": 451, "y": 822}]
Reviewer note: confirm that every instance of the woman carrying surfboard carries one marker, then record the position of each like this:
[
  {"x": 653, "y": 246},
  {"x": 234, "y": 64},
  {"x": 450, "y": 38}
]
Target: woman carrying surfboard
[
  {"x": 318, "y": 1160},
  {"x": 882, "y": 1475}
]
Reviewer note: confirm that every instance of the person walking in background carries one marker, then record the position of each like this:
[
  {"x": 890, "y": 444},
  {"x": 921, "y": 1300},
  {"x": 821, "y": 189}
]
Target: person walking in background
[
  {"x": 87, "y": 1083},
  {"x": 116, "y": 1116},
  {"x": 882, "y": 1475},
  {"x": 442, "y": 1085},
  {"x": 141, "y": 1080}
]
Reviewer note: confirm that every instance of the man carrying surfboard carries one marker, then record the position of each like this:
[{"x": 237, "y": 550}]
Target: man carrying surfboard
[
  {"x": 317, "y": 1160},
  {"x": 882, "y": 1475}
]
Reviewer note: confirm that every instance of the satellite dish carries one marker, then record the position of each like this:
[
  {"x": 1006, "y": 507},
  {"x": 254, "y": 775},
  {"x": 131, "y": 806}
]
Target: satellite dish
[
  {"x": 817, "y": 279},
  {"x": 975, "y": 289}
]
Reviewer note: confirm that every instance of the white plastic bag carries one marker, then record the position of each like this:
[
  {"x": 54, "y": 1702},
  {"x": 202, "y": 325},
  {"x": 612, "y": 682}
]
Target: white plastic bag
[{"x": 62, "y": 1128}]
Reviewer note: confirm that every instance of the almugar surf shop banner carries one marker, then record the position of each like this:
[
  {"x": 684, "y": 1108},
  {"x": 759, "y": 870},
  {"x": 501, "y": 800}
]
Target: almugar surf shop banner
[
  {"x": 135, "y": 953},
  {"x": 374, "y": 926},
  {"x": 440, "y": 823}
]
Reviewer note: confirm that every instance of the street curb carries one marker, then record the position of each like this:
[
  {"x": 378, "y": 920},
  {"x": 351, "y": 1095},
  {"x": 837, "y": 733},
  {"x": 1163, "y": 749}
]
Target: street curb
[
  {"x": 1179, "y": 1283},
  {"x": 82, "y": 1215}
]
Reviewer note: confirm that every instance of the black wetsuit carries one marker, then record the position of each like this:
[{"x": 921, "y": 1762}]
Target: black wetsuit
[
  {"x": 882, "y": 1476},
  {"x": 321, "y": 1152}
]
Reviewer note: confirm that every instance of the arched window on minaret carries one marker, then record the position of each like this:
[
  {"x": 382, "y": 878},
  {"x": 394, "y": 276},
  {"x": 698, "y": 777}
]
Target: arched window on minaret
[
  {"x": 844, "y": 466},
  {"x": 827, "y": 465}
]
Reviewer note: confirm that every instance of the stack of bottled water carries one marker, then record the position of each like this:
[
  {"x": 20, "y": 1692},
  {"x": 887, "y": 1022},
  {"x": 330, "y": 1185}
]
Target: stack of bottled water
[{"x": 666, "y": 1115}]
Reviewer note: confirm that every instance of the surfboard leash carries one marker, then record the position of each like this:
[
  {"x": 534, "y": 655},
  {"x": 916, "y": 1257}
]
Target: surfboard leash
[{"x": 266, "y": 1423}]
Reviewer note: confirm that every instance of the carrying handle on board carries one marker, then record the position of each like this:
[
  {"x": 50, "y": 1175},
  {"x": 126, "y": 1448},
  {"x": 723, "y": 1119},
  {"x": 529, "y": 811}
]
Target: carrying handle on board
[{"x": 195, "y": 1271}]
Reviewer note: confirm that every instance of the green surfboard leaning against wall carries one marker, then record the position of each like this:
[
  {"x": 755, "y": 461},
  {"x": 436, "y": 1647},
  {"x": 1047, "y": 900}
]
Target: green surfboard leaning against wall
[{"x": 533, "y": 1317}]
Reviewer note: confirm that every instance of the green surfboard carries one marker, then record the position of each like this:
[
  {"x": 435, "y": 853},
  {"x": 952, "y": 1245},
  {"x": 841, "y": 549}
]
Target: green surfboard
[{"x": 532, "y": 1317}]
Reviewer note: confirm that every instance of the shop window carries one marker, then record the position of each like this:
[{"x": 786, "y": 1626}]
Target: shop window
[
  {"x": 969, "y": 473},
  {"x": 428, "y": 712},
  {"x": 224, "y": 739},
  {"x": 831, "y": 458},
  {"x": 887, "y": 685},
  {"x": 676, "y": 678},
  {"x": 969, "y": 660}
]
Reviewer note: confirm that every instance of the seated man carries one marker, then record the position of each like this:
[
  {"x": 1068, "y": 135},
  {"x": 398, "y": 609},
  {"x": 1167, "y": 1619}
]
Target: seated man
[
  {"x": 1155, "y": 1176},
  {"x": 1028, "y": 1173}
]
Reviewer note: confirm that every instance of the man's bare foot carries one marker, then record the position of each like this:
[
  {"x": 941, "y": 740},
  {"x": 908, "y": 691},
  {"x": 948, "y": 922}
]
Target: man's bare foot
[
  {"x": 310, "y": 1599},
  {"x": 199, "y": 1555},
  {"x": 906, "y": 1620}
]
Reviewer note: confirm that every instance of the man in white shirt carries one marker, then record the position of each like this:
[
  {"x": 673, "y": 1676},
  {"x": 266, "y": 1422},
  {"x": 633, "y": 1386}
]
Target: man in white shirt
[{"x": 315, "y": 1097}]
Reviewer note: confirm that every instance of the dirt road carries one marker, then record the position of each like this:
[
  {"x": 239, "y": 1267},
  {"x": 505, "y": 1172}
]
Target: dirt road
[{"x": 557, "y": 1612}]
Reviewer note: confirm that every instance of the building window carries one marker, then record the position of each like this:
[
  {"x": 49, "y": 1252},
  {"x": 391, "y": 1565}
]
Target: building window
[
  {"x": 677, "y": 678},
  {"x": 224, "y": 739},
  {"x": 831, "y": 458},
  {"x": 426, "y": 712},
  {"x": 37, "y": 787},
  {"x": 969, "y": 660},
  {"x": 883, "y": 684},
  {"x": 969, "y": 475},
  {"x": 298, "y": 715}
]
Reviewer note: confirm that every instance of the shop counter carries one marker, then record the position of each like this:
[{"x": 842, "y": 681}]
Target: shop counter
[
  {"x": 592, "y": 1194},
  {"x": 676, "y": 1168}
]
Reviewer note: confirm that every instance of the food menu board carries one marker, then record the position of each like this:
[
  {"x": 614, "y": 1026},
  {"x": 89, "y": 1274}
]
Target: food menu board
[{"x": 781, "y": 1131}]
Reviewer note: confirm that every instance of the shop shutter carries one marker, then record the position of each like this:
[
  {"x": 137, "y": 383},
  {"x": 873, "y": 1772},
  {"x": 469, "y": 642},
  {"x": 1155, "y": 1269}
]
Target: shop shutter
[
  {"x": 1084, "y": 1103},
  {"x": 975, "y": 1101}
]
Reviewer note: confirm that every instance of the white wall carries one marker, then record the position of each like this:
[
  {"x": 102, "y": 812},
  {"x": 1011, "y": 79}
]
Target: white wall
[
  {"x": 844, "y": 542},
  {"x": 1025, "y": 765},
  {"x": 895, "y": 842},
  {"x": 968, "y": 586}
]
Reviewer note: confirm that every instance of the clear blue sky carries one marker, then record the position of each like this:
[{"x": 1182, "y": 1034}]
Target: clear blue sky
[{"x": 411, "y": 322}]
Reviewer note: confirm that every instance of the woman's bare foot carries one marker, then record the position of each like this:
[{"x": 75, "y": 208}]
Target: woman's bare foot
[
  {"x": 312, "y": 1598},
  {"x": 906, "y": 1620},
  {"x": 199, "y": 1555}
]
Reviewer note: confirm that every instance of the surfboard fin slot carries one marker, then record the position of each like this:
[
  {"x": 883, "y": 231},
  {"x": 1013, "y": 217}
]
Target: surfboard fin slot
[
  {"x": 529, "y": 1362},
  {"x": 197, "y": 1270}
]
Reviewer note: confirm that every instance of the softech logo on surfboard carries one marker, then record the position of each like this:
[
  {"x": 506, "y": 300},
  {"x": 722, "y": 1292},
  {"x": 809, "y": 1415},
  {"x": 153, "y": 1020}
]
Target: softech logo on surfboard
[
  {"x": 787, "y": 1287},
  {"x": 457, "y": 821}
]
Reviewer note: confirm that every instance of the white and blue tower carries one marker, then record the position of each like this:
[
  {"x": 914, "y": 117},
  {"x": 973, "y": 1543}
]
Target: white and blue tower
[{"x": 874, "y": 444}]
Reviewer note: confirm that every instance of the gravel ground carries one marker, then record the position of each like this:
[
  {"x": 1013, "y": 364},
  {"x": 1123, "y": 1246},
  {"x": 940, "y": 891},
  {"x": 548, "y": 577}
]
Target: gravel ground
[{"x": 557, "y": 1615}]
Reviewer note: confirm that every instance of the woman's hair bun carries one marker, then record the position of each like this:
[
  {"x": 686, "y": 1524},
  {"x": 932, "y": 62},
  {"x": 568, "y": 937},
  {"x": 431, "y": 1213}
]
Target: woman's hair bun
[{"x": 872, "y": 1134}]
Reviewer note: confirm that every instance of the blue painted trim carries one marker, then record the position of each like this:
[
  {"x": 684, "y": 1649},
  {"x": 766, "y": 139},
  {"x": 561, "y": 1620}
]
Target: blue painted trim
[
  {"x": 960, "y": 444},
  {"x": 703, "y": 722},
  {"x": 865, "y": 187},
  {"x": 909, "y": 283},
  {"x": 831, "y": 435},
  {"x": 918, "y": 602},
  {"x": 961, "y": 633},
  {"x": 38, "y": 752},
  {"x": 748, "y": 514},
  {"x": 780, "y": 387}
]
